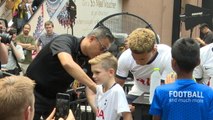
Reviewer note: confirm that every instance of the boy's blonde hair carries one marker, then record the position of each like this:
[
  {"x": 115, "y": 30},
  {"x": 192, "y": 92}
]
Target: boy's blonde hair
[
  {"x": 107, "y": 60},
  {"x": 16, "y": 94},
  {"x": 141, "y": 40}
]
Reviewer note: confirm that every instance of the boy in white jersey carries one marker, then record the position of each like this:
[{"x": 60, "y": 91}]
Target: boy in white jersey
[
  {"x": 203, "y": 73},
  {"x": 140, "y": 59},
  {"x": 110, "y": 101}
]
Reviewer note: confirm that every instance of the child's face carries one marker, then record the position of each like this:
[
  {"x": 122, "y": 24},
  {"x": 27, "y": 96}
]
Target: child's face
[{"x": 100, "y": 75}]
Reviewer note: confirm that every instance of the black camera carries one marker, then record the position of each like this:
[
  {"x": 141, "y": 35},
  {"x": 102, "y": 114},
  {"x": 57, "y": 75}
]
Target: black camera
[{"x": 5, "y": 37}]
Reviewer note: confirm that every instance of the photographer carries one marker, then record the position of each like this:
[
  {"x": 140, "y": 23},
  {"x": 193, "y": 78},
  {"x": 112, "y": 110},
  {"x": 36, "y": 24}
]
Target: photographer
[
  {"x": 15, "y": 55},
  {"x": 3, "y": 53},
  {"x": 3, "y": 49}
]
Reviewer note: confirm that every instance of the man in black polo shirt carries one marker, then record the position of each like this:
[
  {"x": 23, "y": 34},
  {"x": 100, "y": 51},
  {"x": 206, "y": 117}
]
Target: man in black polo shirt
[{"x": 61, "y": 62}]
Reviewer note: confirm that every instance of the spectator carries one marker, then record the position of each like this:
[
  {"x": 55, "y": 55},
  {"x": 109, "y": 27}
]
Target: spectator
[
  {"x": 28, "y": 44},
  {"x": 61, "y": 62},
  {"x": 3, "y": 53},
  {"x": 15, "y": 11},
  {"x": 111, "y": 101},
  {"x": 3, "y": 48},
  {"x": 17, "y": 99},
  {"x": 208, "y": 35},
  {"x": 20, "y": 16},
  {"x": 15, "y": 54},
  {"x": 29, "y": 8},
  {"x": 46, "y": 37},
  {"x": 140, "y": 59},
  {"x": 2, "y": 26},
  {"x": 184, "y": 99},
  {"x": 203, "y": 73}
]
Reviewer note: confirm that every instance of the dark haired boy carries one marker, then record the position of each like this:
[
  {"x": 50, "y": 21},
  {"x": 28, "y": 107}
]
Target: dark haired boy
[{"x": 184, "y": 99}]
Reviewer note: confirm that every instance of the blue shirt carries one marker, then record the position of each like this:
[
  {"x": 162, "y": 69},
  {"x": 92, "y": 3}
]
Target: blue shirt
[{"x": 183, "y": 100}]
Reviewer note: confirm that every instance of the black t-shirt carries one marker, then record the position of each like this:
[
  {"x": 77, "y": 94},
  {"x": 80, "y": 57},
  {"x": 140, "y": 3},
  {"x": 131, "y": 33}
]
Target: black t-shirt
[{"x": 47, "y": 71}]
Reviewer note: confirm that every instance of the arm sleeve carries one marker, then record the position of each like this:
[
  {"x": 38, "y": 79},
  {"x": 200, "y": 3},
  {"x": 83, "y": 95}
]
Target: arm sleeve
[
  {"x": 21, "y": 52},
  {"x": 198, "y": 72},
  {"x": 61, "y": 44},
  {"x": 122, "y": 105},
  {"x": 123, "y": 66},
  {"x": 167, "y": 67}
]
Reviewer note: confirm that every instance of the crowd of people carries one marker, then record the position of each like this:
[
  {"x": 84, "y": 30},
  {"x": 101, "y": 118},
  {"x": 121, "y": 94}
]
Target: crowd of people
[
  {"x": 63, "y": 59},
  {"x": 20, "y": 49},
  {"x": 19, "y": 12}
]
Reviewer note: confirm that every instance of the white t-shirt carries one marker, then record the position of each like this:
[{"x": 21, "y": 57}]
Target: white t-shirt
[
  {"x": 111, "y": 104},
  {"x": 141, "y": 73},
  {"x": 204, "y": 71}
]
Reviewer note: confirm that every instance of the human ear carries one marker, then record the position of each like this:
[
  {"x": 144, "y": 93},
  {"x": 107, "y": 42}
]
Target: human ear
[
  {"x": 174, "y": 64},
  {"x": 28, "y": 113},
  {"x": 154, "y": 48},
  {"x": 92, "y": 38},
  {"x": 111, "y": 71}
]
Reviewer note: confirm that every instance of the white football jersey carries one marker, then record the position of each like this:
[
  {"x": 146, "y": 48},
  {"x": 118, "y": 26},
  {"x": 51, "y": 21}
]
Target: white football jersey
[
  {"x": 141, "y": 73},
  {"x": 111, "y": 104},
  {"x": 204, "y": 71}
]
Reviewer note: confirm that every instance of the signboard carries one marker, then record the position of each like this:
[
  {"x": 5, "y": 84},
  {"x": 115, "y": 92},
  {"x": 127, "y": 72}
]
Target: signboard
[{"x": 89, "y": 12}]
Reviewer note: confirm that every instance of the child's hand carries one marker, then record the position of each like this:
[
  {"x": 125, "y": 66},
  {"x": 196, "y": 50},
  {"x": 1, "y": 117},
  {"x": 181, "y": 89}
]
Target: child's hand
[{"x": 170, "y": 78}]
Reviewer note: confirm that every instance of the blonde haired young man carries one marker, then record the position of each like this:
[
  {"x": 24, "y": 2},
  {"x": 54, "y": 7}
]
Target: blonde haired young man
[
  {"x": 111, "y": 101},
  {"x": 140, "y": 59},
  {"x": 16, "y": 98}
]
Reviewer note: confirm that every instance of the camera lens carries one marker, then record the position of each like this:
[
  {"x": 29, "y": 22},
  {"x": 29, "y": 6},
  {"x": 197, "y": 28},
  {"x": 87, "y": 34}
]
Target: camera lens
[{"x": 5, "y": 38}]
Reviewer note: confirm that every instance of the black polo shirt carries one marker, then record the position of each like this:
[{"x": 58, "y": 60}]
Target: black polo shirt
[{"x": 46, "y": 69}]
